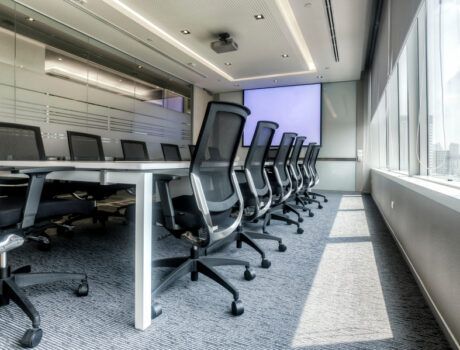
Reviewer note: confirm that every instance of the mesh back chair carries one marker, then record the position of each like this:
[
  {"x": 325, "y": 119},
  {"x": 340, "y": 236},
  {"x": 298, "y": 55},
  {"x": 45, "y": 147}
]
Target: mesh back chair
[
  {"x": 297, "y": 180},
  {"x": 134, "y": 150},
  {"x": 171, "y": 153},
  {"x": 256, "y": 189},
  {"x": 215, "y": 209},
  {"x": 24, "y": 215},
  {"x": 281, "y": 183},
  {"x": 85, "y": 147},
  {"x": 19, "y": 142},
  {"x": 309, "y": 173},
  {"x": 315, "y": 176},
  {"x": 192, "y": 150}
]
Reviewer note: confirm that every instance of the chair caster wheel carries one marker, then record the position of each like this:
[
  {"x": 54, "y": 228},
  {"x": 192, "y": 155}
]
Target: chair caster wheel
[
  {"x": 83, "y": 289},
  {"x": 289, "y": 223},
  {"x": 282, "y": 247},
  {"x": 32, "y": 338},
  {"x": 320, "y": 207},
  {"x": 300, "y": 230},
  {"x": 304, "y": 209},
  {"x": 311, "y": 214},
  {"x": 255, "y": 221},
  {"x": 266, "y": 263},
  {"x": 156, "y": 310},
  {"x": 237, "y": 308},
  {"x": 325, "y": 200},
  {"x": 249, "y": 274},
  {"x": 314, "y": 197},
  {"x": 300, "y": 219}
]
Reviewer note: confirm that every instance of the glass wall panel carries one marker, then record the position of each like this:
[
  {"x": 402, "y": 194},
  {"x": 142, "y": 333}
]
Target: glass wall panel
[{"x": 443, "y": 48}]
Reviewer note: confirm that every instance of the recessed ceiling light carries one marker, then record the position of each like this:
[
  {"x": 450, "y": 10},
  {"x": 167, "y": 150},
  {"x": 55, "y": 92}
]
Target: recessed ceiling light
[
  {"x": 228, "y": 63},
  {"x": 140, "y": 66},
  {"x": 59, "y": 58},
  {"x": 285, "y": 55},
  {"x": 185, "y": 31},
  {"x": 260, "y": 16},
  {"x": 30, "y": 19},
  {"x": 120, "y": 80}
]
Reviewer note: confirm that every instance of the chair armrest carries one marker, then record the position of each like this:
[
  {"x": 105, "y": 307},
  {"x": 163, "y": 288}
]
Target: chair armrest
[{"x": 37, "y": 177}]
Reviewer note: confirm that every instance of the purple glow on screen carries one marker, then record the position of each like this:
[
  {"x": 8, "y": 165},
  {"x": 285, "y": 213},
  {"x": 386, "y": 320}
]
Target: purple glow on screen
[{"x": 295, "y": 108}]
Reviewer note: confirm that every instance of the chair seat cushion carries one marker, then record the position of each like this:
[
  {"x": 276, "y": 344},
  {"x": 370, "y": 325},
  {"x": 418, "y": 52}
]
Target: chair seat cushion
[{"x": 11, "y": 209}]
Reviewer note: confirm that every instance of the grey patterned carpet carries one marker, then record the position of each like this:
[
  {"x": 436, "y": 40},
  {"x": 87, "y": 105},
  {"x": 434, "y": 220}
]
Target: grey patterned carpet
[{"x": 341, "y": 285}]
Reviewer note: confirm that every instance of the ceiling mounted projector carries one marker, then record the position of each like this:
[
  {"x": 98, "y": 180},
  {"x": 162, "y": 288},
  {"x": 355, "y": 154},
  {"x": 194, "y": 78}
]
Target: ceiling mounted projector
[{"x": 224, "y": 44}]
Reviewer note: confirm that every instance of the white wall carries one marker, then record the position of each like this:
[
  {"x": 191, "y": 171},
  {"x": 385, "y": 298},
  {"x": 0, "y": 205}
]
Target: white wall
[{"x": 428, "y": 234}]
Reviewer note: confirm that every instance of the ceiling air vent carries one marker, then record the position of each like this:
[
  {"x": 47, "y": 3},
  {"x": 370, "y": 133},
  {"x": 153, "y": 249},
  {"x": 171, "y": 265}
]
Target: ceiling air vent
[{"x": 330, "y": 20}]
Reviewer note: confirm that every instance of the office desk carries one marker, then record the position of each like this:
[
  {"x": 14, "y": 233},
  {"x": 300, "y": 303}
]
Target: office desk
[{"x": 140, "y": 174}]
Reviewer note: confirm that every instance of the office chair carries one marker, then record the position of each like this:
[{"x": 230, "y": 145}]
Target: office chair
[
  {"x": 215, "y": 209},
  {"x": 171, "y": 152},
  {"x": 192, "y": 150},
  {"x": 134, "y": 150},
  {"x": 314, "y": 173},
  {"x": 281, "y": 184},
  {"x": 256, "y": 189},
  {"x": 297, "y": 179},
  {"x": 308, "y": 175}
]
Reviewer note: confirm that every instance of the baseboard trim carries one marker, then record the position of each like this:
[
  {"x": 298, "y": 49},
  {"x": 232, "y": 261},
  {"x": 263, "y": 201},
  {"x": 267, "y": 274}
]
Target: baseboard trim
[{"x": 437, "y": 314}]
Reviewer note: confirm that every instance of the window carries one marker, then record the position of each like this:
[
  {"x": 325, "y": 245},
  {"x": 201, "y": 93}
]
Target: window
[
  {"x": 443, "y": 49},
  {"x": 393, "y": 123},
  {"x": 403, "y": 112}
]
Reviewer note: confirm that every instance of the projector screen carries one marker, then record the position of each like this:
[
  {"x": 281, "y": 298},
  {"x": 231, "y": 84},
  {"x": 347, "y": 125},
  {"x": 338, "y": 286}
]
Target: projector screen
[{"x": 295, "y": 108}]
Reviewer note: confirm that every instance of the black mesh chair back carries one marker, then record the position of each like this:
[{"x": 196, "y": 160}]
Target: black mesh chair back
[
  {"x": 315, "y": 155},
  {"x": 258, "y": 154},
  {"x": 85, "y": 147},
  {"x": 214, "y": 182},
  {"x": 306, "y": 166},
  {"x": 192, "y": 150},
  {"x": 281, "y": 160},
  {"x": 171, "y": 153},
  {"x": 134, "y": 150},
  {"x": 272, "y": 152},
  {"x": 294, "y": 163},
  {"x": 21, "y": 142}
]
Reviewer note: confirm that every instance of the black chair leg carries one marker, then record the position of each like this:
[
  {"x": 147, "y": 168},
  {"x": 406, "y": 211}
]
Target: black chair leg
[
  {"x": 182, "y": 270},
  {"x": 31, "y": 279},
  {"x": 267, "y": 236},
  {"x": 265, "y": 263},
  {"x": 311, "y": 200},
  {"x": 210, "y": 272},
  {"x": 289, "y": 208},
  {"x": 170, "y": 262},
  {"x": 287, "y": 220},
  {"x": 214, "y": 261},
  {"x": 319, "y": 195},
  {"x": 32, "y": 336}
]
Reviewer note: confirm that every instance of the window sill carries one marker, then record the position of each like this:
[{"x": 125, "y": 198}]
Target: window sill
[{"x": 442, "y": 193}]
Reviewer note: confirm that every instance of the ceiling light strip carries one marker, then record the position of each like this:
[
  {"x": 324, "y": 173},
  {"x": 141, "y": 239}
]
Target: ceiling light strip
[
  {"x": 129, "y": 12},
  {"x": 289, "y": 17}
]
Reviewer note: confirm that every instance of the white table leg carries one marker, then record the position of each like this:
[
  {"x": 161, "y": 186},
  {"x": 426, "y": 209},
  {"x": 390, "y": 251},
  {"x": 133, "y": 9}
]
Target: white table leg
[{"x": 143, "y": 251}]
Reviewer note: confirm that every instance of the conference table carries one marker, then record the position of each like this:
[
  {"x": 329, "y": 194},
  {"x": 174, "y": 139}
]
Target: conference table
[{"x": 139, "y": 174}]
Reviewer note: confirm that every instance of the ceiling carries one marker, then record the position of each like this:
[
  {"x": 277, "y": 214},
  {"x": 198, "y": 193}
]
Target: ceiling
[{"x": 151, "y": 31}]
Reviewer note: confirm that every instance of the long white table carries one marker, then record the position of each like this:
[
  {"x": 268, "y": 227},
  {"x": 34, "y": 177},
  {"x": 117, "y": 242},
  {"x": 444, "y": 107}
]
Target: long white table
[{"x": 140, "y": 174}]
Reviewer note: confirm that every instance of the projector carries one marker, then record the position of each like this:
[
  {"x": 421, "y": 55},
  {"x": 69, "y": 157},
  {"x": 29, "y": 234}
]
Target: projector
[{"x": 224, "y": 44}]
